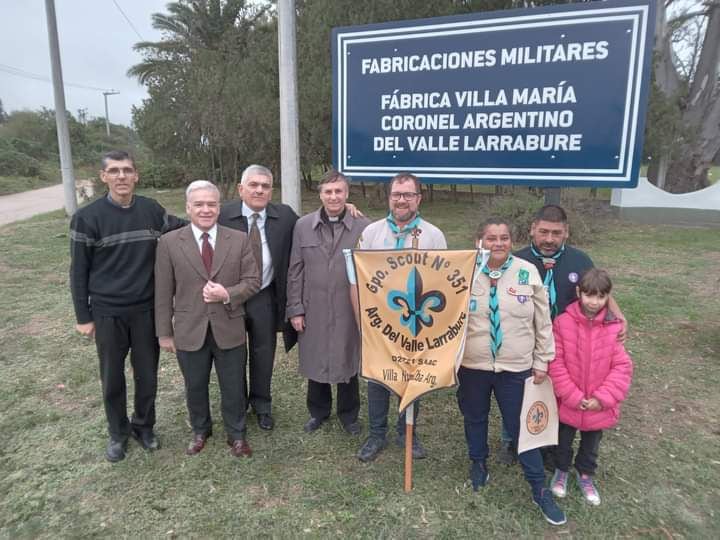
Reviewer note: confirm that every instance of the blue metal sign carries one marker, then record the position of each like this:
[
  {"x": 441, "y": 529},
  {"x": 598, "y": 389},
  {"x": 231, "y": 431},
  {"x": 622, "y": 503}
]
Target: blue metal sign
[{"x": 552, "y": 96}]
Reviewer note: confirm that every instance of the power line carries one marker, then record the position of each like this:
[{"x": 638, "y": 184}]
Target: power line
[
  {"x": 28, "y": 75},
  {"x": 128, "y": 20}
]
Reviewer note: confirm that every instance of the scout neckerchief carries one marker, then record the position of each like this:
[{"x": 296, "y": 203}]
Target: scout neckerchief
[
  {"x": 401, "y": 234},
  {"x": 549, "y": 281},
  {"x": 494, "y": 315}
]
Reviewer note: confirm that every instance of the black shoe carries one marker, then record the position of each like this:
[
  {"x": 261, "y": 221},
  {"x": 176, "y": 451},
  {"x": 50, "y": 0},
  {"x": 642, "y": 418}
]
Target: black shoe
[
  {"x": 418, "y": 450},
  {"x": 353, "y": 428},
  {"x": 265, "y": 421},
  {"x": 313, "y": 424},
  {"x": 507, "y": 454},
  {"x": 371, "y": 449},
  {"x": 115, "y": 450},
  {"x": 479, "y": 476},
  {"x": 146, "y": 438}
]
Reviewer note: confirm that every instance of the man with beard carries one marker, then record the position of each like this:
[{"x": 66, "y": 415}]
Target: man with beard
[
  {"x": 561, "y": 268},
  {"x": 395, "y": 232}
]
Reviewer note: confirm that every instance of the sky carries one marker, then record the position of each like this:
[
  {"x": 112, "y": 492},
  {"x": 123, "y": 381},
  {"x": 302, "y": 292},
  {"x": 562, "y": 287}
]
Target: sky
[{"x": 95, "y": 50}]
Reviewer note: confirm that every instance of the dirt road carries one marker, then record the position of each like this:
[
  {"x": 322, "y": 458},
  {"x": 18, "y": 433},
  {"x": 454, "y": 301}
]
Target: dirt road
[{"x": 30, "y": 203}]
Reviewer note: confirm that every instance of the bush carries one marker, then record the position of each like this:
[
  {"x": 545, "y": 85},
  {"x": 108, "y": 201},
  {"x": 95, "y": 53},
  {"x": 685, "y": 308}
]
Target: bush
[
  {"x": 33, "y": 149},
  {"x": 161, "y": 175},
  {"x": 16, "y": 163},
  {"x": 520, "y": 210}
]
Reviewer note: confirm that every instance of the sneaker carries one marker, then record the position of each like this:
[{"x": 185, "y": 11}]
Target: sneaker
[
  {"x": 507, "y": 454},
  {"x": 558, "y": 484},
  {"x": 589, "y": 491},
  {"x": 479, "y": 475},
  {"x": 418, "y": 450},
  {"x": 551, "y": 512},
  {"x": 371, "y": 448}
]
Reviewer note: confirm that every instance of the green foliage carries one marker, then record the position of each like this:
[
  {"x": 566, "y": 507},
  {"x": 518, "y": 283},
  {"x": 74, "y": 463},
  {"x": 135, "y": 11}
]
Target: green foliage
[
  {"x": 519, "y": 209},
  {"x": 161, "y": 174},
  {"x": 17, "y": 163}
]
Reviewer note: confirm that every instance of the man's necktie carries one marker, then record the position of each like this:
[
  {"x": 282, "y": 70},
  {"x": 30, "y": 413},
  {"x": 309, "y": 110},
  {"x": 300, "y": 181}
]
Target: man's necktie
[
  {"x": 256, "y": 241},
  {"x": 496, "y": 334},
  {"x": 206, "y": 252}
]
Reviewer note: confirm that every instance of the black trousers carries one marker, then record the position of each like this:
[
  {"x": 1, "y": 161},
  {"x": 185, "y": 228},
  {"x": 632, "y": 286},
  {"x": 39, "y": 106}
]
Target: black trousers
[
  {"x": 319, "y": 400},
  {"x": 115, "y": 336},
  {"x": 587, "y": 454},
  {"x": 261, "y": 324},
  {"x": 230, "y": 369}
]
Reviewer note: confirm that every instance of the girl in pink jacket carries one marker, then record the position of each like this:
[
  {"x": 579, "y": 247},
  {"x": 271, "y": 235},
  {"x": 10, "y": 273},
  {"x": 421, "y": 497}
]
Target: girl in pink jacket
[{"x": 591, "y": 375}]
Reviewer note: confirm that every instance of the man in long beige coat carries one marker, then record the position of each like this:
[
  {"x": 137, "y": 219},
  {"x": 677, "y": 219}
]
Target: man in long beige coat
[{"x": 319, "y": 309}]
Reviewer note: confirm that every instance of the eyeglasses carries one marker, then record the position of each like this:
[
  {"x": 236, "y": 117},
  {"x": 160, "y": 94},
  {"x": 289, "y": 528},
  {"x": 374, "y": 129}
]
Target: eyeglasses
[
  {"x": 408, "y": 195},
  {"x": 115, "y": 171}
]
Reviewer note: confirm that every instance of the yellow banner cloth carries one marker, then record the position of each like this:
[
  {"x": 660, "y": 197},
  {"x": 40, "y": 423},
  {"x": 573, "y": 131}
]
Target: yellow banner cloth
[{"x": 413, "y": 306}]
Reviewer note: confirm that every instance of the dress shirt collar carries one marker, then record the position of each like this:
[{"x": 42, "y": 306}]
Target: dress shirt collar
[
  {"x": 248, "y": 212},
  {"x": 197, "y": 233}
]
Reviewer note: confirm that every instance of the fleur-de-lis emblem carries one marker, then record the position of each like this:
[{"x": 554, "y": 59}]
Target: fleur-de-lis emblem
[{"x": 416, "y": 305}]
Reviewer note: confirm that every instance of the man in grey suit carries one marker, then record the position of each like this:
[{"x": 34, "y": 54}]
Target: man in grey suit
[{"x": 203, "y": 275}]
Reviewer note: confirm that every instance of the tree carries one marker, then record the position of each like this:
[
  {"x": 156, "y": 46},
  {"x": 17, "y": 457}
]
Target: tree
[
  {"x": 3, "y": 114},
  {"x": 198, "y": 77},
  {"x": 686, "y": 99}
]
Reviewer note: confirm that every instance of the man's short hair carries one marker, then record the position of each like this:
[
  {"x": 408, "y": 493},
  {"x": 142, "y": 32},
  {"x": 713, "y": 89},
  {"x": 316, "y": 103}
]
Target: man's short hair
[
  {"x": 403, "y": 177},
  {"x": 116, "y": 155},
  {"x": 333, "y": 176},
  {"x": 201, "y": 184},
  {"x": 256, "y": 170},
  {"x": 552, "y": 213},
  {"x": 494, "y": 220},
  {"x": 595, "y": 281}
]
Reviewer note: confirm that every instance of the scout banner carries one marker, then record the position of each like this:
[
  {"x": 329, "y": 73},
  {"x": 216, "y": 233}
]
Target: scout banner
[{"x": 413, "y": 308}]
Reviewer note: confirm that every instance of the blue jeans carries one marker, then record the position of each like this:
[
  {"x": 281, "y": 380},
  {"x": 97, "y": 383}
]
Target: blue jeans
[
  {"x": 378, "y": 405},
  {"x": 473, "y": 395}
]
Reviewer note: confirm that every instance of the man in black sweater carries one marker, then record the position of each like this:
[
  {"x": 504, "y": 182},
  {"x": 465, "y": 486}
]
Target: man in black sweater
[{"x": 112, "y": 249}]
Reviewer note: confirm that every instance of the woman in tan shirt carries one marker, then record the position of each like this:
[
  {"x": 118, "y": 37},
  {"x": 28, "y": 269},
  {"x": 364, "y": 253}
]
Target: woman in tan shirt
[{"x": 509, "y": 339}]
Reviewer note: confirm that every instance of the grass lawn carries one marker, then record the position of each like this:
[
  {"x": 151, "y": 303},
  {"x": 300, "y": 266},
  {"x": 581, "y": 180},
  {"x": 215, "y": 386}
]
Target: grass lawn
[
  {"x": 659, "y": 469},
  {"x": 18, "y": 184}
]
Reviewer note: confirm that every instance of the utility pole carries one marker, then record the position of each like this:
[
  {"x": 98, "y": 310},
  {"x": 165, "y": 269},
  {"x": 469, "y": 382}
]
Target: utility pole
[
  {"x": 289, "y": 137},
  {"x": 107, "y": 116},
  {"x": 66, "y": 165}
]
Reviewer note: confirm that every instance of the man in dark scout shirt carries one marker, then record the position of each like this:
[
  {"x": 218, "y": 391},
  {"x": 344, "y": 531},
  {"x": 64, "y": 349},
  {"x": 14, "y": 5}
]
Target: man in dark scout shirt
[
  {"x": 561, "y": 268},
  {"x": 112, "y": 249}
]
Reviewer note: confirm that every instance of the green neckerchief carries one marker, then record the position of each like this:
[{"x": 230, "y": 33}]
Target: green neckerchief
[
  {"x": 496, "y": 335},
  {"x": 401, "y": 234},
  {"x": 549, "y": 281}
]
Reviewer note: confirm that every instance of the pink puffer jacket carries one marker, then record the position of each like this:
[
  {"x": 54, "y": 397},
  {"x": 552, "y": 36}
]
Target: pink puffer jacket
[{"x": 589, "y": 362}]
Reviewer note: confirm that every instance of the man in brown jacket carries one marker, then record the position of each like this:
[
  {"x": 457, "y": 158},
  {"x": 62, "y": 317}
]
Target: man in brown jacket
[
  {"x": 203, "y": 275},
  {"x": 318, "y": 305}
]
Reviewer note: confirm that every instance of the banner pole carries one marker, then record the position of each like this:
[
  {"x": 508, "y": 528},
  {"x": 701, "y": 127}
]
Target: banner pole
[
  {"x": 409, "y": 419},
  {"x": 410, "y": 412}
]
